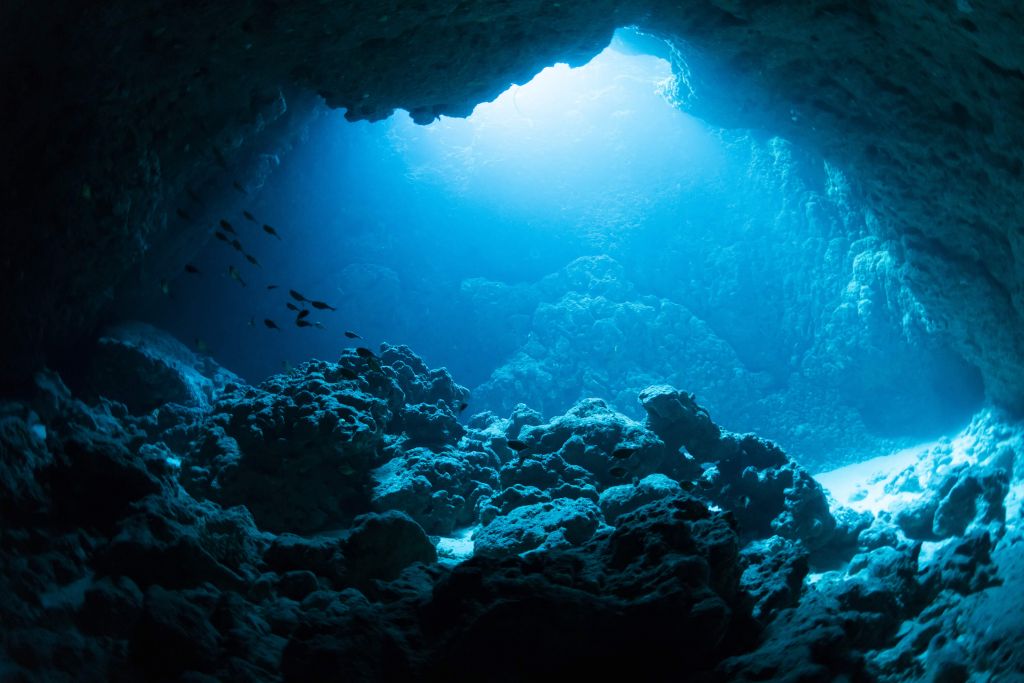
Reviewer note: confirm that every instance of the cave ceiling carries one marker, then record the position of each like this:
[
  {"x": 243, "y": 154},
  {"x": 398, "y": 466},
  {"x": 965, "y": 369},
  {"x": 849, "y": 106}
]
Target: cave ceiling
[{"x": 115, "y": 112}]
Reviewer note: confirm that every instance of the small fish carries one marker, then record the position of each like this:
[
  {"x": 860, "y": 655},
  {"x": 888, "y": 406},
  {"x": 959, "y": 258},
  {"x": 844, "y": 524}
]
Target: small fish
[
  {"x": 463, "y": 406},
  {"x": 364, "y": 352},
  {"x": 617, "y": 472},
  {"x": 237, "y": 246},
  {"x": 184, "y": 215},
  {"x": 299, "y": 322},
  {"x": 202, "y": 346},
  {"x": 302, "y": 314},
  {"x": 233, "y": 272},
  {"x": 226, "y": 224},
  {"x": 221, "y": 236},
  {"x": 352, "y": 335},
  {"x": 249, "y": 215},
  {"x": 238, "y": 186},
  {"x": 517, "y": 445},
  {"x": 319, "y": 325},
  {"x": 292, "y": 307},
  {"x": 688, "y": 485},
  {"x": 271, "y": 286},
  {"x": 295, "y": 295},
  {"x": 348, "y": 374},
  {"x": 189, "y": 268},
  {"x": 270, "y": 231},
  {"x": 271, "y": 325},
  {"x": 321, "y": 306},
  {"x": 165, "y": 286},
  {"x": 623, "y": 453},
  {"x": 252, "y": 321},
  {"x": 252, "y": 259}
]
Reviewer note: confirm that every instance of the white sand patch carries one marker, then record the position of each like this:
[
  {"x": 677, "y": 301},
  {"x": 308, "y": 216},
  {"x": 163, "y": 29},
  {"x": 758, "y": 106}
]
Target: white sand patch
[
  {"x": 456, "y": 548},
  {"x": 862, "y": 486}
]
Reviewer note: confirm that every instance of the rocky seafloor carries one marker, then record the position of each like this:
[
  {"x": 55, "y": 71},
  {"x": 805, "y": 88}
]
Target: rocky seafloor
[{"x": 163, "y": 520}]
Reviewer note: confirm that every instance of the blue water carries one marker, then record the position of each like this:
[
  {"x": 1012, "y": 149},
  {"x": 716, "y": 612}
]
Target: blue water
[{"x": 581, "y": 235}]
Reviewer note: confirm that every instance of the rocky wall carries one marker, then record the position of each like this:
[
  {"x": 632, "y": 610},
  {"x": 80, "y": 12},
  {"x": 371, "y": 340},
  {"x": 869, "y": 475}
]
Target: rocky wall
[{"x": 120, "y": 111}]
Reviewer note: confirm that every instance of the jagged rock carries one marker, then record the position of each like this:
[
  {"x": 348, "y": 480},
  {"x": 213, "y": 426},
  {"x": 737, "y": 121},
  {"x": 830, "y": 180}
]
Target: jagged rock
[
  {"x": 590, "y": 610},
  {"x": 323, "y": 555},
  {"x": 297, "y": 451},
  {"x": 426, "y": 424},
  {"x": 677, "y": 419},
  {"x": 618, "y": 500},
  {"x": 111, "y": 606},
  {"x": 439, "y": 490},
  {"x": 976, "y": 499},
  {"x": 380, "y": 545},
  {"x": 346, "y": 639},
  {"x": 963, "y": 565},
  {"x": 175, "y": 633},
  {"x": 804, "y": 643},
  {"x": 964, "y": 498},
  {"x": 23, "y": 457},
  {"x": 176, "y": 544},
  {"x": 297, "y": 584},
  {"x": 773, "y": 574},
  {"x": 590, "y": 432},
  {"x": 144, "y": 368},
  {"x": 563, "y": 522}
]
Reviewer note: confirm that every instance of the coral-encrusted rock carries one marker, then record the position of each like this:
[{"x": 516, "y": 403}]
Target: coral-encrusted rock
[
  {"x": 966, "y": 498},
  {"x": 618, "y": 500},
  {"x": 23, "y": 457},
  {"x": 588, "y": 435},
  {"x": 768, "y": 492},
  {"x": 438, "y": 490},
  {"x": 676, "y": 418},
  {"x": 297, "y": 451},
  {"x": 657, "y": 595},
  {"x": 560, "y": 523},
  {"x": 551, "y": 473},
  {"x": 773, "y": 574},
  {"x": 426, "y": 424},
  {"x": 111, "y": 606},
  {"x": 177, "y": 543},
  {"x": 380, "y": 546},
  {"x": 419, "y": 383},
  {"x": 323, "y": 555},
  {"x": 175, "y": 633},
  {"x": 144, "y": 368},
  {"x": 963, "y": 565},
  {"x": 804, "y": 643}
]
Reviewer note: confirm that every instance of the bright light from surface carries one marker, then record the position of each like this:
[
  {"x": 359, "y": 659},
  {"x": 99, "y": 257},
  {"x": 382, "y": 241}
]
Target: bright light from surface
[{"x": 567, "y": 141}]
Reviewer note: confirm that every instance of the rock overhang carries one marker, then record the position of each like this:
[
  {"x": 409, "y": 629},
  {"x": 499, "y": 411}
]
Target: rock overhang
[{"x": 919, "y": 104}]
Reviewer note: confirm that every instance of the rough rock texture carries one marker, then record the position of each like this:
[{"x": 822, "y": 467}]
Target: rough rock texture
[
  {"x": 118, "y": 561},
  {"x": 144, "y": 368},
  {"x": 917, "y": 101}
]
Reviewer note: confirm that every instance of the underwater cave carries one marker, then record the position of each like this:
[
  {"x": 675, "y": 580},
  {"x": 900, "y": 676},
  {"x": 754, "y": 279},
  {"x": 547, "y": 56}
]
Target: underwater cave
[{"x": 504, "y": 340}]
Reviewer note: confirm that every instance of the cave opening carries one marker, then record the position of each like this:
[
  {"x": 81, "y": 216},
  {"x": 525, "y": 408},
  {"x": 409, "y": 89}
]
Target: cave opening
[
  {"x": 581, "y": 236},
  {"x": 650, "y": 368}
]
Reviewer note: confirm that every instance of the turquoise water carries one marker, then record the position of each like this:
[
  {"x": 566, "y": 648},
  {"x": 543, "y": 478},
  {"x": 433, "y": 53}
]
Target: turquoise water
[{"x": 582, "y": 236}]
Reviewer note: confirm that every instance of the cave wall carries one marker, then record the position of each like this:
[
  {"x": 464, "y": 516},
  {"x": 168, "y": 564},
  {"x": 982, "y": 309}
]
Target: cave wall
[{"x": 120, "y": 113}]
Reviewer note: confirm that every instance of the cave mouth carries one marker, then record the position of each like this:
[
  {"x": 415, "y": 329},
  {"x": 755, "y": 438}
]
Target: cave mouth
[{"x": 582, "y": 236}]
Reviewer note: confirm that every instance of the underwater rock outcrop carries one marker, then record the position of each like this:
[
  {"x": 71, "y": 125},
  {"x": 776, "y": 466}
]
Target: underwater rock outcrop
[
  {"x": 154, "y": 545},
  {"x": 590, "y": 333}
]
